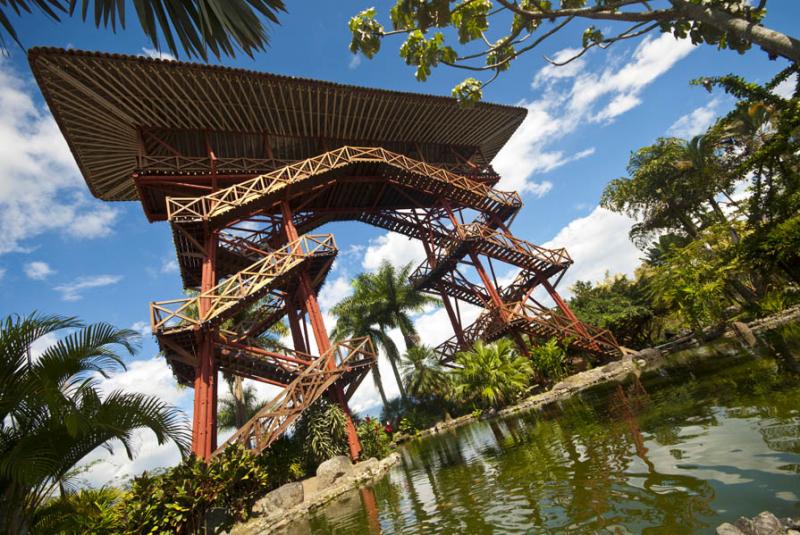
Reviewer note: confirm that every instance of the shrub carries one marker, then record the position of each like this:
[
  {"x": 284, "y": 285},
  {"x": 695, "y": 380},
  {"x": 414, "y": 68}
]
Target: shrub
[
  {"x": 375, "y": 441},
  {"x": 321, "y": 432},
  {"x": 549, "y": 359},
  {"x": 284, "y": 461},
  {"x": 178, "y": 500}
]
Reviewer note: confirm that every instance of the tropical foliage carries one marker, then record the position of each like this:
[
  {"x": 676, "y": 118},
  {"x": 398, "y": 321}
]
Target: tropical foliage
[
  {"x": 53, "y": 414},
  {"x": 375, "y": 442},
  {"x": 423, "y": 375},
  {"x": 236, "y": 408},
  {"x": 718, "y": 220},
  {"x": 430, "y": 28},
  {"x": 195, "y": 26},
  {"x": 549, "y": 360},
  {"x": 491, "y": 375},
  {"x": 321, "y": 432},
  {"x": 382, "y": 301},
  {"x": 178, "y": 500}
]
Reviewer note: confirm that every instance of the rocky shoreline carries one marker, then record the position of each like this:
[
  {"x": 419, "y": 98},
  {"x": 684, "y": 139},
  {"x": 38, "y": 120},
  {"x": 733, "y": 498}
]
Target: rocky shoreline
[
  {"x": 638, "y": 362},
  {"x": 336, "y": 476},
  {"x": 764, "y": 524}
]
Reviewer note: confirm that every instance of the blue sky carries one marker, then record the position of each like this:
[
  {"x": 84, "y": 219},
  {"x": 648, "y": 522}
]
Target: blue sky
[{"x": 62, "y": 251}]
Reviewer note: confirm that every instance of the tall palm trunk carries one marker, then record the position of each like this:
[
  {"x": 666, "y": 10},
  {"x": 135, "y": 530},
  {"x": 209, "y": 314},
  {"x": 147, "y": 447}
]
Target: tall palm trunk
[
  {"x": 238, "y": 397},
  {"x": 376, "y": 378},
  {"x": 397, "y": 378}
]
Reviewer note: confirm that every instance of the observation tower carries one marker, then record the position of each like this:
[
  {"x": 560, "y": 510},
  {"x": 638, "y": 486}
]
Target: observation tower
[{"x": 244, "y": 166}]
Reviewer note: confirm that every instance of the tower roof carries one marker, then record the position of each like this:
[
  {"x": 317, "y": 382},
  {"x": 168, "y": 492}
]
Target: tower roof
[{"x": 102, "y": 102}]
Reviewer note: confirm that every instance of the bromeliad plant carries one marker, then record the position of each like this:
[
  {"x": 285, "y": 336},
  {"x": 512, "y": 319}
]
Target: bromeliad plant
[{"x": 52, "y": 413}]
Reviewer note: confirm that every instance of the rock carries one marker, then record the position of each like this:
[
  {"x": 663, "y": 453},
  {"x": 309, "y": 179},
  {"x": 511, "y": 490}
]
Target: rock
[
  {"x": 310, "y": 487},
  {"x": 333, "y": 469},
  {"x": 649, "y": 354},
  {"x": 728, "y": 529},
  {"x": 280, "y": 499},
  {"x": 368, "y": 468},
  {"x": 744, "y": 332},
  {"x": 745, "y": 525},
  {"x": 767, "y": 524}
]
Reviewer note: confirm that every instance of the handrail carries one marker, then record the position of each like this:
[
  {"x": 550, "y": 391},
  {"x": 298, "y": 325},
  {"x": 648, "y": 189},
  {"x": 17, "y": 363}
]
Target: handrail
[
  {"x": 234, "y": 290},
  {"x": 219, "y": 202}
]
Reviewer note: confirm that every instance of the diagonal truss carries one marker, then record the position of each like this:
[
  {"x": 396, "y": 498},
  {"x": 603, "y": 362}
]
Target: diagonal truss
[
  {"x": 239, "y": 290},
  {"x": 350, "y": 357}
]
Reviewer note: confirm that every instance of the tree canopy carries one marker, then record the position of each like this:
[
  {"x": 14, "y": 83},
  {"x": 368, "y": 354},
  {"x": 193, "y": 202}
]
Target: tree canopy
[
  {"x": 193, "y": 26},
  {"x": 486, "y": 36}
]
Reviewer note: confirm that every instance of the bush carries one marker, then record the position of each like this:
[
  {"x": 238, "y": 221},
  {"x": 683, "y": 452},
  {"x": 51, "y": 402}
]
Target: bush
[
  {"x": 549, "y": 359},
  {"x": 321, "y": 432},
  {"x": 375, "y": 441},
  {"x": 178, "y": 500},
  {"x": 284, "y": 461}
]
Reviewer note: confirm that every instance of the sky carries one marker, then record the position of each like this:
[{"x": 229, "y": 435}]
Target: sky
[{"x": 62, "y": 251}]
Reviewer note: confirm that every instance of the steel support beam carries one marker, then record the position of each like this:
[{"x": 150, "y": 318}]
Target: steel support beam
[
  {"x": 310, "y": 304},
  {"x": 204, "y": 425}
]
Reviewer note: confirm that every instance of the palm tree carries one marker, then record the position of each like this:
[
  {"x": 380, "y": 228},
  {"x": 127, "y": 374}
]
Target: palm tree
[
  {"x": 423, "y": 375},
  {"x": 385, "y": 299},
  {"x": 199, "y": 25},
  {"x": 241, "y": 404},
  {"x": 353, "y": 322},
  {"x": 394, "y": 300},
  {"x": 52, "y": 413},
  {"x": 491, "y": 375}
]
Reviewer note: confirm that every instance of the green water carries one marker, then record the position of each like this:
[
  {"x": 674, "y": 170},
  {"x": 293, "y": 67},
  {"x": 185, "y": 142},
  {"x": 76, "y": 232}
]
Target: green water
[{"x": 671, "y": 453}]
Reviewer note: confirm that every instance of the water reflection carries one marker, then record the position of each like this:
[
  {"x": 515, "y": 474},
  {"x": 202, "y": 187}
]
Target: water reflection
[{"x": 675, "y": 454}]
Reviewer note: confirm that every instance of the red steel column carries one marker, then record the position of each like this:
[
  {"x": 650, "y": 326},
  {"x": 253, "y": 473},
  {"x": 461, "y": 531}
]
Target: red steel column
[
  {"x": 494, "y": 294},
  {"x": 294, "y": 325},
  {"x": 457, "y": 329},
  {"x": 311, "y": 306},
  {"x": 204, "y": 425}
]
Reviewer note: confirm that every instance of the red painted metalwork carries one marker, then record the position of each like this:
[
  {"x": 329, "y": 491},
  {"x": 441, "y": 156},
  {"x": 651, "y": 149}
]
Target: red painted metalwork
[
  {"x": 204, "y": 429},
  {"x": 311, "y": 306},
  {"x": 266, "y": 263}
]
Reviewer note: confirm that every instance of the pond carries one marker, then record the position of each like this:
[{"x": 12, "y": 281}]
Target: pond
[{"x": 677, "y": 452}]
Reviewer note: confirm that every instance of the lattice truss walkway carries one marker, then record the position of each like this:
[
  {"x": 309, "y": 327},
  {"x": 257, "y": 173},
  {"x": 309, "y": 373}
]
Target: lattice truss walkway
[{"x": 251, "y": 241}]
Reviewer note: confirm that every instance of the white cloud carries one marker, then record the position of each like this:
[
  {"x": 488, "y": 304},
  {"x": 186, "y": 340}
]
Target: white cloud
[
  {"x": 786, "y": 88},
  {"x": 334, "y": 291},
  {"x": 41, "y": 188},
  {"x": 157, "y": 54},
  {"x": 598, "y": 243},
  {"x": 574, "y": 96},
  {"x": 72, "y": 291},
  {"x": 94, "y": 224},
  {"x": 38, "y": 270},
  {"x": 169, "y": 265},
  {"x": 142, "y": 327},
  {"x": 695, "y": 122},
  {"x": 41, "y": 344},
  {"x": 355, "y": 61},
  {"x": 152, "y": 377},
  {"x": 399, "y": 250},
  {"x": 549, "y": 73}
]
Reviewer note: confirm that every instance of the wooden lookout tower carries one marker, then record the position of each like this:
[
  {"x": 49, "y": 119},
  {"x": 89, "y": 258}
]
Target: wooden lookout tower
[{"x": 245, "y": 165}]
